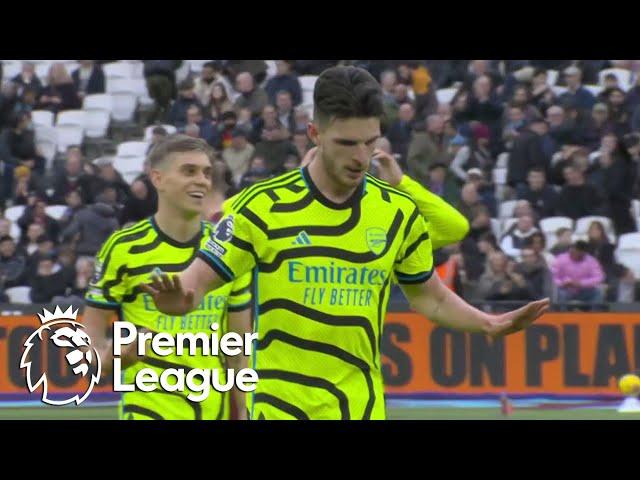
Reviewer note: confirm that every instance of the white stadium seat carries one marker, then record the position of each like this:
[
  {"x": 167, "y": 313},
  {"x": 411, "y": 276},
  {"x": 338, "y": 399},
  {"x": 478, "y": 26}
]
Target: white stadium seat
[
  {"x": 69, "y": 135},
  {"x": 630, "y": 258},
  {"x": 71, "y": 117},
  {"x": 552, "y": 77},
  {"x": 507, "y": 223},
  {"x": 129, "y": 164},
  {"x": 132, "y": 149},
  {"x": 445, "y": 95},
  {"x": 124, "y": 106},
  {"x": 496, "y": 228},
  {"x": 14, "y": 213},
  {"x": 19, "y": 294},
  {"x": 308, "y": 82},
  {"x": 97, "y": 123},
  {"x": 506, "y": 209},
  {"x": 552, "y": 224},
  {"x": 56, "y": 211},
  {"x": 594, "y": 89},
  {"x": 48, "y": 150},
  {"x": 624, "y": 77},
  {"x": 42, "y": 118},
  {"x": 100, "y": 101},
  {"x": 117, "y": 70},
  {"x": 629, "y": 241}
]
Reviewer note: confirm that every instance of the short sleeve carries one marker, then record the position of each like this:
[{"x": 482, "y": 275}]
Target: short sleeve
[
  {"x": 107, "y": 287},
  {"x": 240, "y": 296},
  {"x": 230, "y": 249},
  {"x": 414, "y": 263}
]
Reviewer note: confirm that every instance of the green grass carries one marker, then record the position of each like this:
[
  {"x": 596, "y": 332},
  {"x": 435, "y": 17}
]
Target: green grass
[{"x": 110, "y": 413}]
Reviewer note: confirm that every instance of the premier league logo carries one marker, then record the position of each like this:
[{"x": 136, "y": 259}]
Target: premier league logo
[{"x": 224, "y": 229}]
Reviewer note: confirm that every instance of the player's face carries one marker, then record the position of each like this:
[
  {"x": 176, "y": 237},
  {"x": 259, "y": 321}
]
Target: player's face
[
  {"x": 346, "y": 147},
  {"x": 185, "y": 180}
]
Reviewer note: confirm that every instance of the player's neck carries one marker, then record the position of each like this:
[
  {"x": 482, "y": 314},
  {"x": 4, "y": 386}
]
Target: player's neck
[
  {"x": 327, "y": 185},
  {"x": 175, "y": 225}
]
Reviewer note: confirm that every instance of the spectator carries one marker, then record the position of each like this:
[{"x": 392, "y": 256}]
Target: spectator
[
  {"x": 513, "y": 125},
  {"x": 13, "y": 264},
  {"x": 577, "y": 198},
  {"x": 157, "y": 135},
  {"x": 522, "y": 99},
  {"x": 284, "y": 80},
  {"x": 535, "y": 272},
  {"x": 73, "y": 201},
  {"x": 486, "y": 189},
  {"x": 610, "y": 83},
  {"x": 522, "y": 208},
  {"x": 388, "y": 82},
  {"x": 45, "y": 247},
  {"x": 77, "y": 287},
  {"x": 271, "y": 139},
  {"x": 501, "y": 283},
  {"x": 238, "y": 156},
  {"x": 161, "y": 84},
  {"x": 426, "y": 148},
  {"x": 542, "y": 197},
  {"x": 470, "y": 201},
  {"x": 443, "y": 184},
  {"x": 60, "y": 94},
  {"x": 27, "y": 102},
  {"x": 460, "y": 151},
  {"x": 561, "y": 129},
  {"x": 49, "y": 280},
  {"x": 302, "y": 118},
  {"x": 251, "y": 97},
  {"x": 5, "y": 227},
  {"x": 8, "y": 101},
  {"x": 301, "y": 142},
  {"x": 26, "y": 185},
  {"x": 88, "y": 79},
  {"x": 203, "y": 85},
  {"x": 597, "y": 126},
  {"x": 219, "y": 101},
  {"x": 225, "y": 129},
  {"x": 618, "y": 112},
  {"x": 256, "y": 68},
  {"x": 206, "y": 129},
  {"x": 29, "y": 242},
  {"x": 538, "y": 243},
  {"x": 484, "y": 106},
  {"x": 424, "y": 90},
  {"x": 480, "y": 224},
  {"x": 620, "y": 279},
  {"x": 532, "y": 148},
  {"x": 631, "y": 144},
  {"x": 576, "y": 94},
  {"x": 91, "y": 227},
  {"x": 256, "y": 173},
  {"x": 577, "y": 275},
  {"x": 35, "y": 213},
  {"x": 517, "y": 236},
  {"x": 542, "y": 96},
  {"x": 74, "y": 177},
  {"x": 564, "y": 240},
  {"x": 18, "y": 147},
  {"x": 27, "y": 79},
  {"x": 111, "y": 178},
  {"x": 399, "y": 133},
  {"x": 139, "y": 205},
  {"x": 285, "y": 111},
  {"x": 186, "y": 99}
]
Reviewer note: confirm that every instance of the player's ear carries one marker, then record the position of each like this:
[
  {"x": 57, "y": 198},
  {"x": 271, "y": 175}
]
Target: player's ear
[
  {"x": 155, "y": 176},
  {"x": 313, "y": 133}
]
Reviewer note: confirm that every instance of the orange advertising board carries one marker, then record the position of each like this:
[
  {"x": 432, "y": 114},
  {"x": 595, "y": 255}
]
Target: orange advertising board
[{"x": 565, "y": 354}]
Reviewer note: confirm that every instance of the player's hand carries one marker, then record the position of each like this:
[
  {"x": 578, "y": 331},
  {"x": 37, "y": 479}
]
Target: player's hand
[
  {"x": 388, "y": 168},
  {"x": 512, "y": 322},
  {"x": 169, "y": 295}
]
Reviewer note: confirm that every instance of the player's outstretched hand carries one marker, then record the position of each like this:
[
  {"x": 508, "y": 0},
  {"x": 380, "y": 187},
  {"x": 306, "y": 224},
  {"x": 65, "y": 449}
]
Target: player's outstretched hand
[
  {"x": 388, "y": 168},
  {"x": 517, "y": 320},
  {"x": 169, "y": 295}
]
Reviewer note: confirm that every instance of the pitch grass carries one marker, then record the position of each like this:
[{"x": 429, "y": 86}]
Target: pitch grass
[{"x": 433, "y": 413}]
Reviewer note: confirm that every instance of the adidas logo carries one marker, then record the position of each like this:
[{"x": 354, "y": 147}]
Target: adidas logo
[{"x": 302, "y": 239}]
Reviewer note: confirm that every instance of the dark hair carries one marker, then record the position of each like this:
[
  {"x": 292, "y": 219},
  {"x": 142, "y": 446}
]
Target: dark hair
[
  {"x": 346, "y": 92},
  {"x": 211, "y": 65},
  {"x": 160, "y": 131},
  {"x": 611, "y": 76},
  {"x": 581, "y": 246},
  {"x": 539, "y": 71},
  {"x": 490, "y": 238},
  {"x": 631, "y": 140},
  {"x": 186, "y": 84},
  {"x": 6, "y": 238},
  {"x": 178, "y": 143},
  {"x": 538, "y": 170},
  {"x": 529, "y": 241}
]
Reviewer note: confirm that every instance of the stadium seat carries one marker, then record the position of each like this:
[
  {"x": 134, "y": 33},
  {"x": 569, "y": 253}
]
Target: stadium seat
[
  {"x": 124, "y": 106},
  {"x": 183, "y": 72},
  {"x": 503, "y": 160},
  {"x": 271, "y": 69},
  {"x": 100, "y": 101},
  {"x": 14, "y": 213},
  {"x": 552, "y": 77},
  {"x": 148, "y": 132},
  {"x": 552, "y": 224},
  {"x": 506, "y": 209},
  {"x": 629, "y": 241},
  {"x": 117, "y": 70},
  {"x": 558, "y": 90},
  {"x": 48, "y": 150},
  {"x": 56, "y": 211},
  {"x": 582, "y": 226},
  {"x": 15, "y": 232},
  {"x": 19, "y": 294},
  {"x": 495, "y": 228},
  {"x": 132, "y": 149},
  {"x": 42, "y": 71},
  {"x": 195, "y": 66},
  {"x": 308, "y": 82},
  {"x": 624, "y": 77},
  {"x": 594, "y": 89},
  {"x": 71, "y": 117},
  {"x": 630, "y": 258},
  {"x": 11, "y": 68},
  {"x": 445, "y": 95},
  {"x": 42, "y": 118},
  {"x": 97, "y": 123},
  {"x": 47, "y": 134},
  {"x": 129, "y": 164},
  {"x": 68, "y": 135},
  {"x": 635, "y": 208},
  {"x": 129, "y": 177}
]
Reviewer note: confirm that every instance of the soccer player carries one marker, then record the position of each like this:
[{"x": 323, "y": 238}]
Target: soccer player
[
  {"x": 324, "y": 242},
  {"x": 181, "y": 171}
]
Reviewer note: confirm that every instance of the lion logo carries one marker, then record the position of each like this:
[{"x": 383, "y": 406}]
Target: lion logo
[{"x": 68, "y": 334}]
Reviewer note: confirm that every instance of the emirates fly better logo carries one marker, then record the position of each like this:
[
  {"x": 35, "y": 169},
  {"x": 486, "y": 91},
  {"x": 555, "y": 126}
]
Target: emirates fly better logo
[{"x": 67, "y": 333}]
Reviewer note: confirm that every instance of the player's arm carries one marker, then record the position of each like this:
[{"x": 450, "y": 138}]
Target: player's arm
[
  {"x": 442, "y": 306},
  {"x": 428, "y": 295},
  {"x": 447, "y": 225}
]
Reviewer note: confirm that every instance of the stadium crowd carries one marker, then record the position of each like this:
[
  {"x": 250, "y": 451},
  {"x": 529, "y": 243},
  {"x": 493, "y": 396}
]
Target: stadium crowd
[{"x": 540, "y": 156}]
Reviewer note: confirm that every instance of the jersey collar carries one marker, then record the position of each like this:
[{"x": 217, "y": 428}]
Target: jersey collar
[
  {"x": 318, "y": 195},
  {"x": 194, "y": 242}
]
